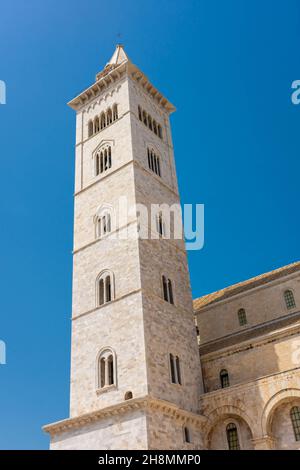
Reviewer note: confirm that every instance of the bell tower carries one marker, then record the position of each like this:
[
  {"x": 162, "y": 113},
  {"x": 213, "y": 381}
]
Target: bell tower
[{"x": 135, "y": 369}]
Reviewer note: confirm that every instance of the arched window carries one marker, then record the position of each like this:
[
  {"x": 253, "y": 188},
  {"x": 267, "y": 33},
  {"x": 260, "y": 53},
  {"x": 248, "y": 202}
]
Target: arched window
[
  {"x": 102, "y": 121},
  {"x": 96, "y": 124},
  {"x": 140, "y": 113},
  {"x": 186, "y": 434},
  {"x": 90, "y": 128},
  {"x": 159, "y": 131},
  {"x": 109, "y": 116},
  {"x": 175, "y": 369},
  {"x": 154, "y": 127},
  {"x": 224, "y": 378},
  {"x": 145, "y": 118},
  {"x": 232, "y": 437},
  {"x": 289, "y": 299},
  {"x": 242, "y": 317},
  {"x": 115, "y": 112},
  {"x": 106, "y": 369},
  {"x": 167, "y": 290},
  {"x": 295, "y": 418},
  {"x": 105, "y": 288},
  {"x": 150, "y": 123}
]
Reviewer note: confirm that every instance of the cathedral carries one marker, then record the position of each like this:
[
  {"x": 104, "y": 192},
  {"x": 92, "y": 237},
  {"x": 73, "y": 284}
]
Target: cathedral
[{"x": 150, "y": 367}]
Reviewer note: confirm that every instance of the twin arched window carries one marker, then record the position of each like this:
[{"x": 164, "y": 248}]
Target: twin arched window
[
  {"x": 167, "y": 290},
  {"x": 289, "y": 299},
  {"x": 103, "y": 160},
  {"x": 175, "y": 369},
  {"x": 153, "y": 162},
  {"x": 224, "y": 378},
  {"x": 295, "y": 418},
  {"x": 105, "y": 119},
  {"x": 232, "y": 437},
  {"x": 242, "y": 317},
  {"x": 150, "y": 122},
  {"x": 106, "y": 369},
  {"x": 105, "y": 288}
]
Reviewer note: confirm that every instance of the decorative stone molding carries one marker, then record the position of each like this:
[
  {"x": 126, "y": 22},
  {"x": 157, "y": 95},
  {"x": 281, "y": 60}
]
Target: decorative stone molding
[
  {"x": 146, "y": 403},
  {"x": 113, "y": 75},
  {"x": 238, "y": 388}
]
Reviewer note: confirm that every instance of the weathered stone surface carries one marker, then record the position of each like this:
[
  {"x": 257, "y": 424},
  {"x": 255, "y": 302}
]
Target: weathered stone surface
[{"x": 262, "y": 357}]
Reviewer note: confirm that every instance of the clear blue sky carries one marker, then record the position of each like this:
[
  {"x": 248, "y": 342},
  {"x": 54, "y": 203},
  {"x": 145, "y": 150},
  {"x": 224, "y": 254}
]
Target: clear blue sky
[{"x": 228, "y": 67}]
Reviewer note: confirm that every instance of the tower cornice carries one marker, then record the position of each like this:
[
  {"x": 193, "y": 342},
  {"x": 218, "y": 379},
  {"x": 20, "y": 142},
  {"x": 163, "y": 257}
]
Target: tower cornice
[
  {"x": 144, "y": 403},
  {"x": 112, "y": 73}
]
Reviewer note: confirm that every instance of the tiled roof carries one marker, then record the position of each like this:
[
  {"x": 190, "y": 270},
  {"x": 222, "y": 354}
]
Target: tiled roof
[{"x": 245, "y": 285}]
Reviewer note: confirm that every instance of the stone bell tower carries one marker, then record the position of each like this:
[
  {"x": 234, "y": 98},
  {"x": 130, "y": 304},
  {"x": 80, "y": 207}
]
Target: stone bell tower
[{"x": 135, "y": 372}]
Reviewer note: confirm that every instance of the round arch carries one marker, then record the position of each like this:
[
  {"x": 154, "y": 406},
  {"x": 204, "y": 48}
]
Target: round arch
[
  {"x": 225, "y": 411},
  {"x": 273, "y": 403}
]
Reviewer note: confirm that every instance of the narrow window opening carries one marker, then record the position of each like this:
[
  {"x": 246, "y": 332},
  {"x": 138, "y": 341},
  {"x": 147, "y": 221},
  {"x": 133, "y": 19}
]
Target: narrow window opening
[
  {"x": 109, "y": 117},
  {"x": 172, "y": 368},
  {"x": 295, "y": 418},
  {"x": 224, "y": 378},
  {"x": 289, "y": 299},
  {"x": 102, "y": 372},
  {"x": 108, "y": 289},
  {"x": 115, "y": 112},
  {"x": 96, "y": 124},
  {"x": 90, "y": 128},
  {"x": 145, "y": 118},
  {"x": 140, "y": 113},
  {"x": 170, "y": 292},
  {"x": 101, "y": 292},
  {"x": 165, "y": 288},
  {"x": 178, "y": 370},
  {"x": 242, "y": 317},
  {"x": 232, "y": 437},
  {"x": 186, "y": 432}
]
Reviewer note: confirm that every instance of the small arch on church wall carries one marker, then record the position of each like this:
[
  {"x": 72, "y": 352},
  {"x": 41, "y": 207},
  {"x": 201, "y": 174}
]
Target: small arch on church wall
[
  {"x": 274, "y": 402},
  {"x": 222, "y": 413},
  {"x": 216, "y": 437}
]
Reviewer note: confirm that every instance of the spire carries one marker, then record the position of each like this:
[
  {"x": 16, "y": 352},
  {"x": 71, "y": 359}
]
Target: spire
[
  {"x": 118, "y": 56},
  {"x": 113, "y": 70}
]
